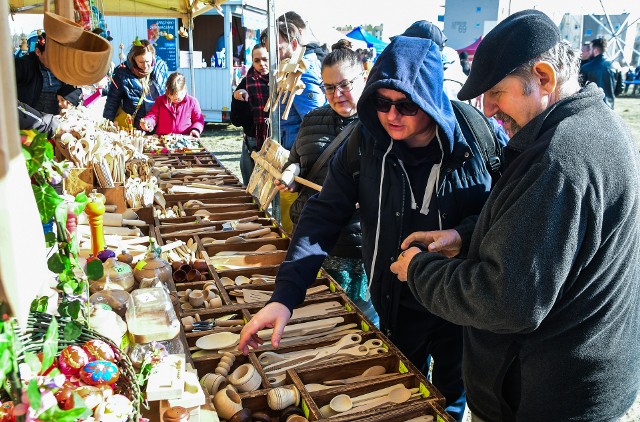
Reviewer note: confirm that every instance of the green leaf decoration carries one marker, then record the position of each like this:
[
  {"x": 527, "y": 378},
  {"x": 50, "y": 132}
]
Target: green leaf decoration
[
  {"x": 50, "y": 344},
  {"x": 95, "y": 270},
  {"x": 72, "y": 330},
  {"x": 26, "y": 154},
  {"x": 34, "y": 394},
  {"x": 57, "y": 263},
  {"x": 47, "y": 200},
  {"x": 61, "y": 216},
  {"x": 55, "y": 414},
  {"x": 6, "y": 364},
  {"x": 39, "y": 153},
  {"x": 39, "y": 304},
  {"x": 31, "y": 359},
  {"x": 80, "y": 202},
  {"x": 50, "y": 238}
]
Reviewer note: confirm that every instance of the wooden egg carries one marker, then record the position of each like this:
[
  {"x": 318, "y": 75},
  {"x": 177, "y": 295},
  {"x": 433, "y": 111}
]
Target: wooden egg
[
  {"x": 72, "y": 359},
  {"x": 99, "y": 350},
  {"x": 100, "y": 372}
]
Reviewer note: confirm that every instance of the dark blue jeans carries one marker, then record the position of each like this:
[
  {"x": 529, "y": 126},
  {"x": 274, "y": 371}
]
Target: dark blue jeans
[{"x": 421, "y": 338}]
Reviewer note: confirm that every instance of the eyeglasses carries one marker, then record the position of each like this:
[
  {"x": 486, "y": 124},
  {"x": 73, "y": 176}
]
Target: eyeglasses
[
  {"x": 344, "y": 86},
  {"x": 404, "y": 107}
]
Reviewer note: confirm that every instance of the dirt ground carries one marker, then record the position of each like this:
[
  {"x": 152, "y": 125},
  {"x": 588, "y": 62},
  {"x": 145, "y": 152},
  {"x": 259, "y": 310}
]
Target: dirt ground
[{"x": 225, "y": 141}]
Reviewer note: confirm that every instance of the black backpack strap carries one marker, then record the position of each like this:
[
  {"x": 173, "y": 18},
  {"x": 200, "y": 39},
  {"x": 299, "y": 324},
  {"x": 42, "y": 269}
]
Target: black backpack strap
[
  {"x": 483, "y": 134},
  {"x": 353, "y": 152},
  {"x": 330, "y": 150}
]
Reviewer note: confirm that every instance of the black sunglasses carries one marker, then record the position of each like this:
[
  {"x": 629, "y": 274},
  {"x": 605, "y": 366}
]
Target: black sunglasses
[{"x": 404, "y": 107}]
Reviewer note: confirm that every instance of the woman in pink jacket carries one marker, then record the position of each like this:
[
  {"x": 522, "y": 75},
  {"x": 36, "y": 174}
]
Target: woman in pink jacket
[{"x": 175, "y": 111}]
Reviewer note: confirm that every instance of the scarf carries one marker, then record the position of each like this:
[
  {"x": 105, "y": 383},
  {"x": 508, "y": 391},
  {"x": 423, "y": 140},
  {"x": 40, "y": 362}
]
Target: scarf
[{"x": 258, "y": 89}]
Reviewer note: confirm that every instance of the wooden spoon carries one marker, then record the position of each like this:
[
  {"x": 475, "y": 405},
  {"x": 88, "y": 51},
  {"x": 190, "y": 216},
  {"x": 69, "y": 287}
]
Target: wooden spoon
[
  {"x": 368, "y": 373},
  {"x": 397, "y": 396}
]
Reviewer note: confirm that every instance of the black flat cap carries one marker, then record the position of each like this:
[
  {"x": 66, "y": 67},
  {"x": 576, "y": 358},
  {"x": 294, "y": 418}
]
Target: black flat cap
[
  {"x": 427, "y": 30},
  {"x": 517, "y": 39}
]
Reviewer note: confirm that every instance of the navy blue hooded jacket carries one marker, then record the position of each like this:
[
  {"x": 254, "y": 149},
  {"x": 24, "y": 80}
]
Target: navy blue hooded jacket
[{"x": 389, "y": 188}]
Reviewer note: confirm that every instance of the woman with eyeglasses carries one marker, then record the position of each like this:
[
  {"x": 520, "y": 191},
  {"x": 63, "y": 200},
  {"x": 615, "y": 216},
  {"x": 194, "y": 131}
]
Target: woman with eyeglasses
[
  {"x": 343, "y": 82},
  {"x": 409, "y": 165},
  {"x": 136, "y": 84}
]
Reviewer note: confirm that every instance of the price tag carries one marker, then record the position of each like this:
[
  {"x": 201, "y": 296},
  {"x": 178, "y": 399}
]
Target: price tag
[
  {"x": 332, "y": 287},
  {"x": 424, "y": 390},
  {"x": 348, "y": 307},
  {"x": 305, "y": 408},
  {"x": 140, "y": 265},
  {"x": 365, "y": 326},
  {"x": 121, "y": 269},
  {"x": 402, "y": 369},
  {"x": 439, "y": 419}
]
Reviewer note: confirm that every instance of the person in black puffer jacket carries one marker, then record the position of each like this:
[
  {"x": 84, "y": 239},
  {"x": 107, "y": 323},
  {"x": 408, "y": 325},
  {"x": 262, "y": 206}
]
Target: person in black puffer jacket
[{"x": 343, "y": 82}]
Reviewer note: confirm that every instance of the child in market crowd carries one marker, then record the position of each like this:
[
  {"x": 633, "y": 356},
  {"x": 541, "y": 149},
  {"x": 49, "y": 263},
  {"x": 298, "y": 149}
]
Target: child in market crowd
[
  {"x": 68, "y": 95},
  {"x": 175, "y": 112}
]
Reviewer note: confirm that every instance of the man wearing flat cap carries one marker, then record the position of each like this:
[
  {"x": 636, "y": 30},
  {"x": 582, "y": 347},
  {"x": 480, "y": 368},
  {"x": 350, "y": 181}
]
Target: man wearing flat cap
[{"x": 547, "y": 284}]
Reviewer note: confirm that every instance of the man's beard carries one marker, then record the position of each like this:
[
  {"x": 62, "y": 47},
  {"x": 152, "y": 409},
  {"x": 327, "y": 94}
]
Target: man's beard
[{"x": 512, "y": 127}]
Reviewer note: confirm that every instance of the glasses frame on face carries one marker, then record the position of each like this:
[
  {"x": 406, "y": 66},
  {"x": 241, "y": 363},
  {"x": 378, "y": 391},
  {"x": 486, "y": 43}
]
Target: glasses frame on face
[
  {"x": 343, "y": 86},
  {"x": 405, "y": 107}
]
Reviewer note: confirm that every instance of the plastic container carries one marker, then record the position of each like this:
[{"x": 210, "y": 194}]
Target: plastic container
[{"x": 150, "y": 316}]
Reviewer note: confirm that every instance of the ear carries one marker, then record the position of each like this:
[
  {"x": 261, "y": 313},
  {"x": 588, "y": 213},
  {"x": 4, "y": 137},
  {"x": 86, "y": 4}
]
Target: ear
[
  {"x": 294, "y": 44},
  {"x": 546, "y": 74}
]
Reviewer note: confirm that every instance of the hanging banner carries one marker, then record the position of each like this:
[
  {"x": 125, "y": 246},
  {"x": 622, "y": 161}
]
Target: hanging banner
[{"x": 162, "y": 33}]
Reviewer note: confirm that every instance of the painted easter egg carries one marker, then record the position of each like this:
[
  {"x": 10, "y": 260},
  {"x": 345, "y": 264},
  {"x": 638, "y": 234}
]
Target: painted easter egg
[
  {"x": 99, "y": 372},
  {"x": 99, "y": 350},
  {"x": 72, "y": 359},
  {"x": 64, "y": 396}
]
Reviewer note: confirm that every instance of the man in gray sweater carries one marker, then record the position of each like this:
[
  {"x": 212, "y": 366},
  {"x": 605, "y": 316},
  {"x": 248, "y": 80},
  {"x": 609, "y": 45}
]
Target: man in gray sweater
[{"x": 546, "y": 281}]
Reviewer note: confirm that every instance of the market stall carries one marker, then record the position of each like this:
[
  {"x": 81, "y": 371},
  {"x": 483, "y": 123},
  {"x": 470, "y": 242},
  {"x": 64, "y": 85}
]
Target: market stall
[{"x": 157, "y": 257}]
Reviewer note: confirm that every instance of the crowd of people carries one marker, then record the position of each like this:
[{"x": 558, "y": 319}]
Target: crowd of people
[
  {"x": 515, "y": 279},
  {"x": 494, "y": 248}
]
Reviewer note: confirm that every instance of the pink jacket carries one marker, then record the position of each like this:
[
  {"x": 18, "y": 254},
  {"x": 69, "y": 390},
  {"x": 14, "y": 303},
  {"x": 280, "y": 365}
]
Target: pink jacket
[{"x": 186, "y": 116}]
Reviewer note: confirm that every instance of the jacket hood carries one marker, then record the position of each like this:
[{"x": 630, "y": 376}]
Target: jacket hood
[{"x": 412, "y": 66}]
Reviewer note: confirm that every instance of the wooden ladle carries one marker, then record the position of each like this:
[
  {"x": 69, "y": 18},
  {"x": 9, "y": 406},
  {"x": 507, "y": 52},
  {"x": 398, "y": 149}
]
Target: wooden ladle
[{"x": 398, "y": 395}]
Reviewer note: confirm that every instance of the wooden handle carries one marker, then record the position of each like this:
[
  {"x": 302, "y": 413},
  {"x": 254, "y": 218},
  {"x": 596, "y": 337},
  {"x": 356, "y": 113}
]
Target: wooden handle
[{"x": 277, "y": 175}]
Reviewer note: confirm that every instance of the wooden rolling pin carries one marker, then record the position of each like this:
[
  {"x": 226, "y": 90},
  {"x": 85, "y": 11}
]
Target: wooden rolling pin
[{"x": 116, "y": 220}]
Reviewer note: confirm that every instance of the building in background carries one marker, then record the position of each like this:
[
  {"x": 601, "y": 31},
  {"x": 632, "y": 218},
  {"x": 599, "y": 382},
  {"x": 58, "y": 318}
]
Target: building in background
[
  {"x": 620, "y": 30},
  {"x": 467, "y": 20}
]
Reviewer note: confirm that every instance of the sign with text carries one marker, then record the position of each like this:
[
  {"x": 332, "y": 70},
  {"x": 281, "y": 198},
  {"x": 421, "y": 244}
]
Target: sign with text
[{"x": 163, "y": 35}]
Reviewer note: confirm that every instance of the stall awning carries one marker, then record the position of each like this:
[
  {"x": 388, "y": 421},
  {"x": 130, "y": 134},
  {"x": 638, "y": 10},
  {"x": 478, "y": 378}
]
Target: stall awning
[{"x": 155, "y": 8}]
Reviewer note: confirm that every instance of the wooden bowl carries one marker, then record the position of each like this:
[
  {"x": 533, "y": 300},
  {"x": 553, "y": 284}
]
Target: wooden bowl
[
  {"x": 83, "y": 62},
  {"x": 61, "y": 29}
]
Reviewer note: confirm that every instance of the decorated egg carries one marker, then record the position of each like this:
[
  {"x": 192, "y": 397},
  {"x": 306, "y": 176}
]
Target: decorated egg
[
  {"x": 46, "y": 371},
  {"x": 64, "y": 396},
  {"x": 99, "y": 372},
  {"x": 72, "y": 359},
  {"x": 99, "y": 350}
]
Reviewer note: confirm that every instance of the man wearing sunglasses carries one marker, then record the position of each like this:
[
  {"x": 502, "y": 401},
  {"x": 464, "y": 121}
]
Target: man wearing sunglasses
[
  {"x": 548, "y": 285},
  {"x": 418, "y": 169}
]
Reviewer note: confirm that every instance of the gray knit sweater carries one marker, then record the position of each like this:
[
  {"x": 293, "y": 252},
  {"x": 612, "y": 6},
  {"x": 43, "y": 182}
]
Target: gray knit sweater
[{"x": 549, "y": 292}]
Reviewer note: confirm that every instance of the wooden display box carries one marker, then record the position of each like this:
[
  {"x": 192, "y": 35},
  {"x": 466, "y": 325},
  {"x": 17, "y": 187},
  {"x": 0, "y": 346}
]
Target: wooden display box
[{"x": 115, "y": 196}]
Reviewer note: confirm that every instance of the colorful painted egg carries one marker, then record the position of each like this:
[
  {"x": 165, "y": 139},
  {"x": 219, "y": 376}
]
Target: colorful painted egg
[
  {"x": 64, "y": 396},
  {"x": 99, "y": 350},
  {"x": 72, "y": 359},
  {"x": 100, "y": 372}
]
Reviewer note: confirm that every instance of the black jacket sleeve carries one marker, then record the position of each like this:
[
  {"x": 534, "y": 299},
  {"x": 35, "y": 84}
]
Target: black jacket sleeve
[
  {"x": 241, "y": 111},
  {"x": 30, "y": 118}
]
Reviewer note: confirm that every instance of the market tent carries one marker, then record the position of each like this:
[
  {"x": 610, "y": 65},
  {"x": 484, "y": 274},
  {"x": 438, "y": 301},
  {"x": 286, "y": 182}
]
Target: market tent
[
  {"x": 330, "y": 36},
  {"x": 362, "y": 35},
  {"x": 155, "y": 8},
  {"x": 471, "y": 49}
]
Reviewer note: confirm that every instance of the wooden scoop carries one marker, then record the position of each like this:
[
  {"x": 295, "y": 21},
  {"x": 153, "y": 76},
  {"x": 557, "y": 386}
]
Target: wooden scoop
[{"x": 373, "y": 371}]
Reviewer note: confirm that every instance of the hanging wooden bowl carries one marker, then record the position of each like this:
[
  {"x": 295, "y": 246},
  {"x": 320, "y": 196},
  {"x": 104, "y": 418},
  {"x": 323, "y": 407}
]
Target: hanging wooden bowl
[
  {"x": 83, "y": 62},
  {"x": 61, "y": 29}
]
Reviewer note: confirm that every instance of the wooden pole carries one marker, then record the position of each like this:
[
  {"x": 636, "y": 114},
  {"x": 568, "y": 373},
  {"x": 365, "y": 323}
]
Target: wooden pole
[{"x": 277, "y": 175}]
